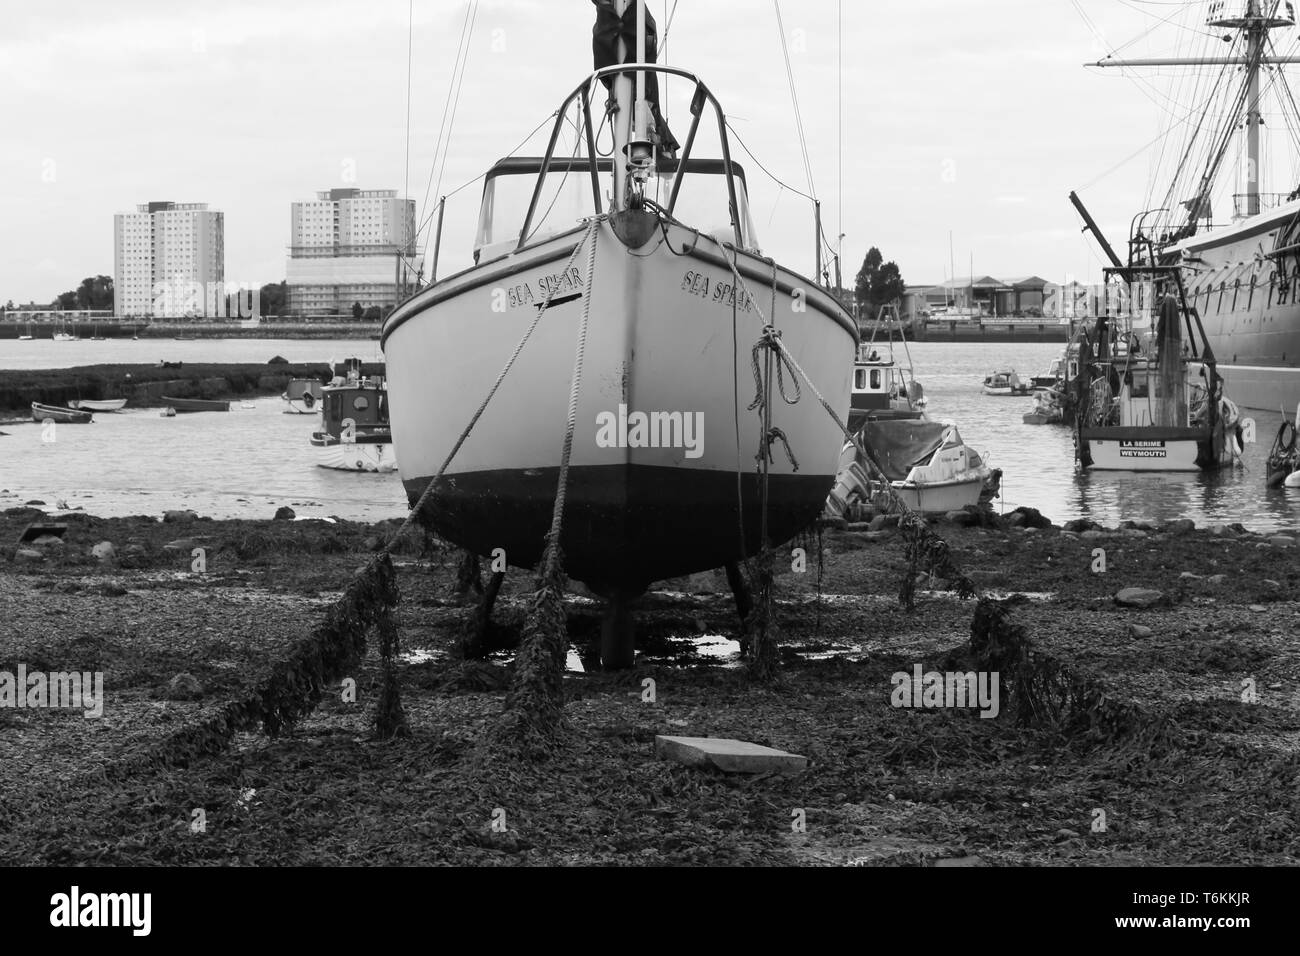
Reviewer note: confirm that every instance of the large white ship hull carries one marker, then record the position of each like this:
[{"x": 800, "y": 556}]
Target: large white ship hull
[
  {"x": 660, "y": 341},
  {"x": 1249, "y": 307}
]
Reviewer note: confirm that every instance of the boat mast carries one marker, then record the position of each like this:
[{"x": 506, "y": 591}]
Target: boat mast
[
  {"x": 1255, "y": 25},
  {"x": 632, "y": 123}
]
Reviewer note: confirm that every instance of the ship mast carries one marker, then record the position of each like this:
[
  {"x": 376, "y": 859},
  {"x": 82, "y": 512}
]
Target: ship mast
[{"x": 1254, "y": 24}]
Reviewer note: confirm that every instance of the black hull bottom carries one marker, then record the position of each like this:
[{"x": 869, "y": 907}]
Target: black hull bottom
[{"x": 624, "y": 526}]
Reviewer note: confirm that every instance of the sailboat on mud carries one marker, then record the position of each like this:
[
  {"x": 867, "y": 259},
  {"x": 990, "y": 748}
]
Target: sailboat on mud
[{"x": 655, "y": 246}]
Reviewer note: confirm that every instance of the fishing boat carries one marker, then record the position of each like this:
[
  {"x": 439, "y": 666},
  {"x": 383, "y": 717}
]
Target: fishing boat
[
  {"x": 187, "y": 405},
  {"x": 678, "y": 293},
  {"x": 302, "y": 396},
  {"x": 929, "y": 468},
  {"x": 355, "y": 434},
  {"x": 28, "y": 337},
  {"x": 99, "y": 404},
  {"x": 1004, "y": 383},
  {"x": 54, "y": 413},
  {"x": 64, "y": 337},
  {"x": 882, "y": 388},
  {"x": 1152, "y": 399},
  {"x": 1239, "y": 271}
]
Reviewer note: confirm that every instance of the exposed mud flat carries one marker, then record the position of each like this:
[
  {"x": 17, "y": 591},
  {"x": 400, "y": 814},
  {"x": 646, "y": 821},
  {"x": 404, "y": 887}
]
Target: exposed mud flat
[{"x": 1199, "y": 775}]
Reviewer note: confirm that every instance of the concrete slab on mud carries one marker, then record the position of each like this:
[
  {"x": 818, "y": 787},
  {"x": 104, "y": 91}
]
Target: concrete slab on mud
[{"x": 729, "y": 756}]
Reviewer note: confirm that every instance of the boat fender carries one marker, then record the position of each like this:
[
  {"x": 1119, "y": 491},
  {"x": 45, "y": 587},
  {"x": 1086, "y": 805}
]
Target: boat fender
[{"x": 308, "y": 399}]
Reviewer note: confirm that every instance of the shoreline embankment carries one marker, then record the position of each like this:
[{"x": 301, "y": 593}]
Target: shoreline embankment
[{"x": 144, "y": 385}]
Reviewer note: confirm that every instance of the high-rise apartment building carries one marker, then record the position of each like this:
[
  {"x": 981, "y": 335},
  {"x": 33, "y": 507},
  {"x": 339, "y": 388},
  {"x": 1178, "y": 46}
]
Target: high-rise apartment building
[
  {"x": 170, "y": 260},
  {"x": 350, "y": 245}
]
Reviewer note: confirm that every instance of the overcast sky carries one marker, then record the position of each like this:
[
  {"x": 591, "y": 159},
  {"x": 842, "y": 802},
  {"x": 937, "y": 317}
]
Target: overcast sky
[{"x": 974, "y": 118}]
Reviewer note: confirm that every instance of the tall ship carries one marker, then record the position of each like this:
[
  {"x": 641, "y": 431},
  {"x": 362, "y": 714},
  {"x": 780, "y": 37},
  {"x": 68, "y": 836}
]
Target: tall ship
[{"x": 1241, "y": 273}]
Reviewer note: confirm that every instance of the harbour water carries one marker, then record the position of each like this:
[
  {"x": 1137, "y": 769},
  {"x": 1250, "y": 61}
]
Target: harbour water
[{"x": 252, "y": 460}]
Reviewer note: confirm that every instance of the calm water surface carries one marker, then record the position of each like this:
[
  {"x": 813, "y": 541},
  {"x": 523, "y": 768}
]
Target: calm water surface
[{"x": 250, "y": 461}]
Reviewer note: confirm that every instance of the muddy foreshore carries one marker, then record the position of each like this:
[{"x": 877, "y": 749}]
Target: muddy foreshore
[
  {"x": 146, "y": 384},
  {"x": 1203, "y": 768}
]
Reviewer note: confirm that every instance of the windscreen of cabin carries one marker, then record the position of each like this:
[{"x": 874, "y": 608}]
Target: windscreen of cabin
[
  {"x": 704, "y": 204},
  {"x": 565, "y": 201}
]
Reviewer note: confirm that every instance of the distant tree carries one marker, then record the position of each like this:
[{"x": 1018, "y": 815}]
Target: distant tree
[
  {"x": 274, "y": 298},
  {"x": 66, "y": 301},
  {"x": 878, "y": 283},
  {"x": 95, "y": 292},
  {"x": 357, "y": 311},
  {"x": 866, "y": 276},
  {"x": 889, "y": 285},
  {"x": 9, "y": 306},
  {"x": 373, "y": 314}
]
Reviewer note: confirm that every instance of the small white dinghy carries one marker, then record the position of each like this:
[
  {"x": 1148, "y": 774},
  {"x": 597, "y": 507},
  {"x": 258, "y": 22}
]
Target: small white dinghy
[
  {"x": 930, "y": 469},
  {"x": 99, "y": 404}
]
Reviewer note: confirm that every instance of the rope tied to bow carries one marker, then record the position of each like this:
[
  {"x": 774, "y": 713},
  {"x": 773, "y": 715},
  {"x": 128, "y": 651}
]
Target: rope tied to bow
[{"x": 534, "y": 705}]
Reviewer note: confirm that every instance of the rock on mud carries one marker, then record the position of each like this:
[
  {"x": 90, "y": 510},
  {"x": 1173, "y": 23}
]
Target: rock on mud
[{"x": 1139, "y": 597}]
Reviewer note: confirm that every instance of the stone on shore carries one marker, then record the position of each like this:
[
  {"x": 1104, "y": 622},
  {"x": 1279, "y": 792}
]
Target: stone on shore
[
  {"x": 1180, "y": 526},
  {"x": 1282, "y": 541},
  {"x": 104, "y": 551},
  {"x": 878, "y": 523},
  {"x": 1139, "y": 597},
  {"x": 183, "y": 686},
  {"x": 1092, "y": 535},
  {"x": 172, "y": 517},
  {"x": 1138, "y": 631},
  {"x": 181, "y": 544},
  {"x": 28, "y": 556},
  {"x": 284, "y": 513},
  {"x": 729, "y": 756},
  {"x": 47, "y": 540}
]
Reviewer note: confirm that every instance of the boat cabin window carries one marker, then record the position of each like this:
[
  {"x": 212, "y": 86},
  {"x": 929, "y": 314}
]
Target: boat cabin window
[
  {"x": 860, "y": 379},
  {"x": 566, "y": 200},
  {"x": 875, "y": 379},
  {"x": 361, "y": 403}
]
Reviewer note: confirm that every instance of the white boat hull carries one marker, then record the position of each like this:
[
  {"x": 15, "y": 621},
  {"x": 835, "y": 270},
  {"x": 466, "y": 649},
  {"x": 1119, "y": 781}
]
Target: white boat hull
[
  {"x": 1144, "y": 455},
  {"x": 101, "y": 405},
  {"x": 357, "y": 456},
  {"x": 660, "y": 341},
  {"x": 940, "y": 497}
]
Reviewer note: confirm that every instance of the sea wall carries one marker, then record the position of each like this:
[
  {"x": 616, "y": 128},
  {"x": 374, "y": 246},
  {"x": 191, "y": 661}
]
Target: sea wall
[{"x": 146, "y": 384}]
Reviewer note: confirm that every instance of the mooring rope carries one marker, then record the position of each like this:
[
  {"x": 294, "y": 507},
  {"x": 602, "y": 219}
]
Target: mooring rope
[
  {"x": 922, "y": 540},
  {"x": 561, "y": 492},
  {"x": 534, "y": 703}
]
